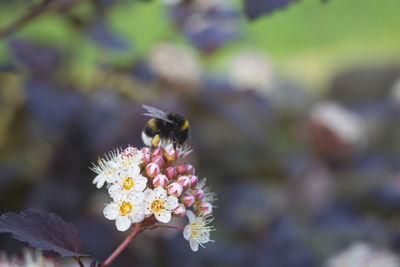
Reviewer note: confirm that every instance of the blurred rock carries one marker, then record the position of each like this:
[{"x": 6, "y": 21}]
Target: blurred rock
[
  {"x": 363, "y": 84},
  {"x": 362, "y": 254},
  {"x": 177, "y": 67},
  {"x": 335, "y": 133}
]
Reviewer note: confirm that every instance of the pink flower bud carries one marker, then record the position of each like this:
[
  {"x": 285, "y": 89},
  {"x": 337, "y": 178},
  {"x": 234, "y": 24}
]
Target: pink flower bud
[
  {"x": 190, "y": 169},
  {"x": 205, "y": 208},
  {"x": 198, "y": 193},
  {"x": 193, "y": 180},
  {"x": 180, "y": 210},
  {"x": 146, "y": 154},
  {"x": 175, "y": 189},
  {"x": 181, "y": 168},
  {"x": 158, "y": 151},
  {"x": 188, "y": 199},
  {"x": 185, "y": 182},
  {"x": 160, "y": 180},
  {"x": 171, "y": 172},
  {"x": 170, "y": 152},
  {"x": 152, "y": 169},
  {"x": 158, "y": 160}
]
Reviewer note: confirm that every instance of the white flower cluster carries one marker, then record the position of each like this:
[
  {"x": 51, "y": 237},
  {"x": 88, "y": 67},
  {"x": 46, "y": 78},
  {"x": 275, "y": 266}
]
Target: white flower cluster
[{"x": 147, "y": 186}]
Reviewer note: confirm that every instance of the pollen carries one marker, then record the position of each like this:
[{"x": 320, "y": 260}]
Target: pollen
[
  {"x": 157, "y": 206},
  {"x": 128, "y": 184},
  {"x": 156, "y": 140},
  {"x": 195, "y": 229},
  {"x": 126, "y": 208},
  {"x": 109, "y": 171}
]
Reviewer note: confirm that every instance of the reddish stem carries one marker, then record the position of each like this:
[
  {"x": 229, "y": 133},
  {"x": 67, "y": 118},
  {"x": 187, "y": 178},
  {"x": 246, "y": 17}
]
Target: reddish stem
[
  {"x": 122, "y": 246},
  {"x": 169, "y": 226}
]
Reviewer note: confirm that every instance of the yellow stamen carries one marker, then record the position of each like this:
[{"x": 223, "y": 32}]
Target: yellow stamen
[
  {"x": 157, "y": 206},
  {"x": 128, "y": 183},
  {"x": 194, "y": 229},
  {"x": 126, "y": 208}
]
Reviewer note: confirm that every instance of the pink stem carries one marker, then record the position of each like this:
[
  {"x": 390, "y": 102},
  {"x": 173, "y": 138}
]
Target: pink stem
[
  {"x": 122, "y": 246},
  {"x": 169, "y": 226}
]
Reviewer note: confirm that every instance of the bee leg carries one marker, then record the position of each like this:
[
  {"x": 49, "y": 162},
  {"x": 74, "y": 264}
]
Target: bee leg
[{"x": 156, "y": 140}]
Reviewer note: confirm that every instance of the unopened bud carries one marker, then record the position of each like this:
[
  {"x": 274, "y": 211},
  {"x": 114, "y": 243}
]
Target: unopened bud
[
  {"x": 152, "y": 169},
  {"x": 175, "y": 189},
  {"x": 158, "y": 160},
  {"x": 198, "y": 193},
  {"x": 160, "y": 180},
  {"x": 180, "y": 210},
  {"x": 146, "y": 155},
  {"x": 193, "y": 180},
  {"x": 190, "y": 169},
  {"x": 205, "y": 208},
  {"x": 181, "y": 169},
  {"x": 171, "y": 172},
  {"x": 170, "y": 152},
  {"x": 188, "y": 199},
  {"x": 158, "y": 151},
  {"x": 185, "y": 182}
]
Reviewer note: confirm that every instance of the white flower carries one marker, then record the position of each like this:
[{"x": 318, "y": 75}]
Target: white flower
[
  {"x": 126, "y": 211},
  {"x": 159, "y": 204},
  {"x": 130, "y": 180},
  {"x": 107, "y": 169},
  {"x": 197, "y": 232},
  {"x": 130, "y": 157}
]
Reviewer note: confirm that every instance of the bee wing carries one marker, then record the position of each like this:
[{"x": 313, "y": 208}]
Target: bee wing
[{"x": 156, "y": 113}]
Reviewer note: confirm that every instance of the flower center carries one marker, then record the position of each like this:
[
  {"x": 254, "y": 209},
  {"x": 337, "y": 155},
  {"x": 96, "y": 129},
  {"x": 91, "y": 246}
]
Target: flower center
[
  {"x": 126, "y": 208},
  {"x": 157, "y": 206},
  {"x": 195, "y": 229},
  {"x": 128, "y": 183}
]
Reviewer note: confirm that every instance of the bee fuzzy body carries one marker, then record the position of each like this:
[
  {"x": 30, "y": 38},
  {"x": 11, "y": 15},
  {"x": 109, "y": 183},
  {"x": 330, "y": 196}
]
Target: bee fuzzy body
[{"x": 168, "y": 126}]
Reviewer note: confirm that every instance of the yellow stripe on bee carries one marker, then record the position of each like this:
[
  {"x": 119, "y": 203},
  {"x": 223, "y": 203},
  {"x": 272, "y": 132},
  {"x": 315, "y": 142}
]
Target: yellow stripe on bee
[
  {"x": 156, "y": 140},
  {"x": 185, "y": 125},
  {"x": 152, "y": 124}
]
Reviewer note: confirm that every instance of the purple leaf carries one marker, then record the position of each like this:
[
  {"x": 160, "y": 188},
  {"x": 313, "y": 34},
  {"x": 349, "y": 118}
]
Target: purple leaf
[
  {"x": 40, "y": 60},
  {"x": 43, "y": 230},
  {"x": 104, "y": 36},
  {"x": 257, "y": 8}
]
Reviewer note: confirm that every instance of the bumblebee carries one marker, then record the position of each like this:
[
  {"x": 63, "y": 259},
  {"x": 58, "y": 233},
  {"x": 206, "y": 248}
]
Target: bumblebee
[{"x": 170, "y": 126}]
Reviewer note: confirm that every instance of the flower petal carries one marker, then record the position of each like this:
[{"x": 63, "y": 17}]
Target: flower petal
[
  {"x": 190, "y": 216},
  {"x": 160, "y": 192},
  {"x": 194, "y": 245},
  {"x": 136, "y": 198},
  {"x": 186, "y": 232},
  {"x": 99, "y": 180},
  {"x": 141, "y": 183},
  {"x": 171, "y": 203},
  {"x": 123, "y": 223},
  {"x": 111, "y": 211},
  {"x": 134, "y": 170},
  {"x": 163, "y": 216},
  {"x": 148, "y": 195},
  {"x": 138, "y": 216}
]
